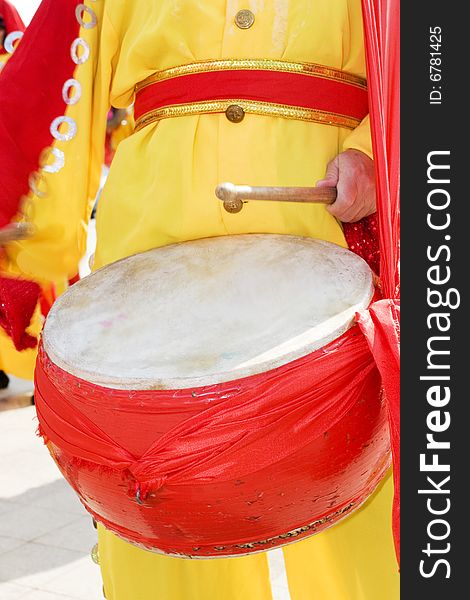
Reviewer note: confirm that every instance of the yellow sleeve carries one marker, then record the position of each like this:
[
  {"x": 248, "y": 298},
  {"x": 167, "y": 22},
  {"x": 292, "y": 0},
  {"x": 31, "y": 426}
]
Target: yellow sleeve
[
  {"x": 354, "y": 62},
  {"x": 359, "y": 138},
  {"x": 59, "y": 210}
]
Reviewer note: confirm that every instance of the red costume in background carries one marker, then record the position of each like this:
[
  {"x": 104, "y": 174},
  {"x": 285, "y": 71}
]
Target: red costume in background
[{"x": 11, "y": 18}]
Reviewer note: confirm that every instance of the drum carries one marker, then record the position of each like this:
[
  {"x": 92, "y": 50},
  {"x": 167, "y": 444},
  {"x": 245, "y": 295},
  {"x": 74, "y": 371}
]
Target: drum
[{"x": 214, "y": 398}]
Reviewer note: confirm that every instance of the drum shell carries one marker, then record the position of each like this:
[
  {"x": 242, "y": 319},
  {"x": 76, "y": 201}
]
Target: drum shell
[{"x": 303, "y": 494}]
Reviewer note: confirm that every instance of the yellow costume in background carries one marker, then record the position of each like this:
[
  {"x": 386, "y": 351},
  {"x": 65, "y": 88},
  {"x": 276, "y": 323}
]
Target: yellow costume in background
[
  {"x": 20, "y": 364},
  {"x": 160, "y": 190}
]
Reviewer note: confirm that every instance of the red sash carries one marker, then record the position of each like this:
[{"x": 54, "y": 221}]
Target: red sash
[{"x": 302, "y": 91}]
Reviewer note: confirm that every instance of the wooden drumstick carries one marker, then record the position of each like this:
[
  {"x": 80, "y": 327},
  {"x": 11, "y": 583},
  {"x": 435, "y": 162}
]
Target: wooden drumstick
[
  {"x": 233, "y": 196},
  {"x": 15, "y": 232}
]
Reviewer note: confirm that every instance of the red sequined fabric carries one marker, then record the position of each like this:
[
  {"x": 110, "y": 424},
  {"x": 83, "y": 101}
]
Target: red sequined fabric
[{"x": 363, "y": 239}]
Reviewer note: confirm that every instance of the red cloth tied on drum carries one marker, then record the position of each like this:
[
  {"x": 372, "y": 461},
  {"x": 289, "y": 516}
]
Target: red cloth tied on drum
[{"x": 220, "y": 434}]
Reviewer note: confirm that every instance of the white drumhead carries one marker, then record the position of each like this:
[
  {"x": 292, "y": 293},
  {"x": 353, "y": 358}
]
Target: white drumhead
[{"x": 206, "y": 311}]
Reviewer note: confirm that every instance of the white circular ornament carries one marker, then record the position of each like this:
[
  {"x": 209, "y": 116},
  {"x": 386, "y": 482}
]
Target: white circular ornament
[
  {"x": 74, "y": 86},
  {"x": 71, "y": 129},
  {"x": 35, "y": 179},
  {"x": 80, "y": 12},
  {"x": 75, "y": 49},
  {"x": 9, "y": 43},
  {"x": 58, "y": 163}
]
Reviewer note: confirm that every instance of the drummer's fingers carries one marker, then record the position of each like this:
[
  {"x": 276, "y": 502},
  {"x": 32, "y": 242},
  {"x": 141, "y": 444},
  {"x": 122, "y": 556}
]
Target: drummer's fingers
[
  {"x": 354, "y": 215},
  {"x": 364, "y": 203},
  {"x": 345, "y": 205},
  {"x": 356, "y": 195},
  {"x": 331, "y": 175},
  {"x": 365, "y": 208},
  {"x": 362, "y": 206}
]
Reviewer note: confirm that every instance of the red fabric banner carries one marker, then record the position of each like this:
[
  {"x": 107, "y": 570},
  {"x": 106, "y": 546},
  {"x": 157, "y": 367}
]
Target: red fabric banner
[{"x": 382, "y": 40}]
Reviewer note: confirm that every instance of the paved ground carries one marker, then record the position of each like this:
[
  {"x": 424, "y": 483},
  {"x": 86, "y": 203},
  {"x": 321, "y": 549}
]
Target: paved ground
[{"x": 45, "y": 533}]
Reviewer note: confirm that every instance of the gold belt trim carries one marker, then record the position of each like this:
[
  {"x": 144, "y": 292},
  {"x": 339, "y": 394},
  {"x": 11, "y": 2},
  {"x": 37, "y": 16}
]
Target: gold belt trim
[
  {"x": 249, "y": 106},
  {"x": 313, "y": 69}
]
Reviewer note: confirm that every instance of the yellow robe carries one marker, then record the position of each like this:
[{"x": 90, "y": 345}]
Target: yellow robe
[{"x": 160, "y": 190}]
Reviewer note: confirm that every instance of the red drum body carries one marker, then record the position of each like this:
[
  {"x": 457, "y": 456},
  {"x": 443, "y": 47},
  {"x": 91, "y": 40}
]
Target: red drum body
[
  {"x": 304, "y": 494},
  {"x": 123, "y": 447}
]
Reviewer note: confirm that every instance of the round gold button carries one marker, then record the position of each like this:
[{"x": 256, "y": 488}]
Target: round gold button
[
  {"x": 235, "y": 113},
  {"x": 244, "y": 19}
]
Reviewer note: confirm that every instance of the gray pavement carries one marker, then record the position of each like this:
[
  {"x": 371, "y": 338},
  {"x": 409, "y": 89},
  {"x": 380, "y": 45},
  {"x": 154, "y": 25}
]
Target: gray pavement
[{"x": 45, "y": 533}]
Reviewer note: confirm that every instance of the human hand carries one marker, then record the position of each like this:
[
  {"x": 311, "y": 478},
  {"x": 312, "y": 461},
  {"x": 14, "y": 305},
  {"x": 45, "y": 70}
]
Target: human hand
[{"x": 352, "y": 172}]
